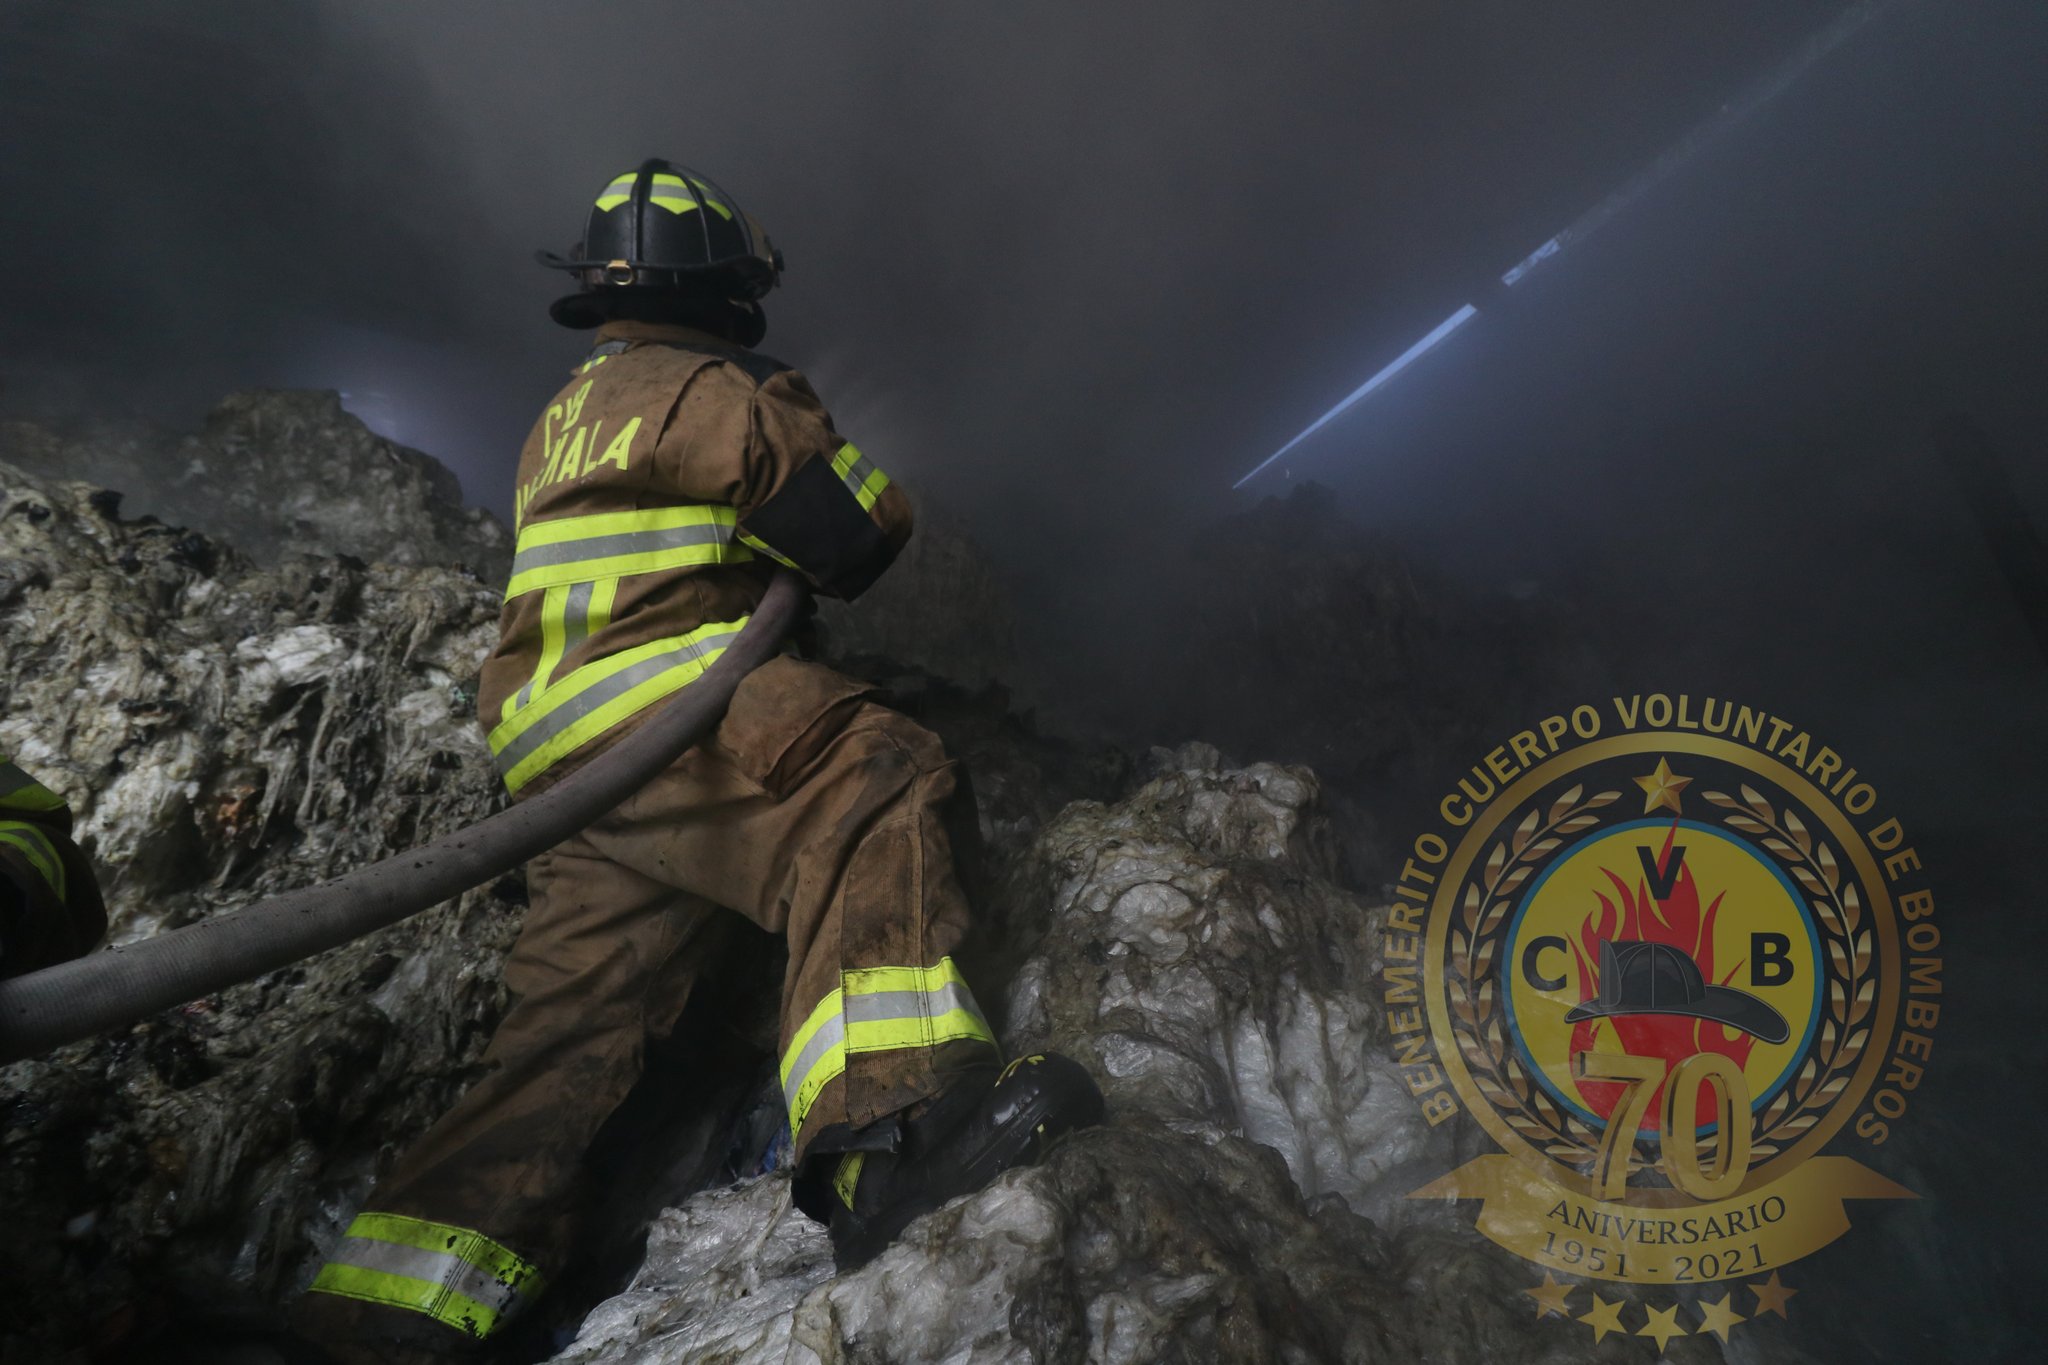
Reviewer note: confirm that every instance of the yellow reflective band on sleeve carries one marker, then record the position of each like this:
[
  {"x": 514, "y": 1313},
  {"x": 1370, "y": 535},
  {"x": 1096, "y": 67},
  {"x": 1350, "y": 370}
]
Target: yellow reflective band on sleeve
[
  {"x": 877, "y": 1009},
  {"x": 592, "y": 699},
  {"x": 616, "y": 544},
  {"x": 814, "y": 1056},
  {"x": 456, "y": 1276},
  {"x": 19, "y": 791},
  {"x": 860, "y": 475},
  {"x": 35, "y": 845}
]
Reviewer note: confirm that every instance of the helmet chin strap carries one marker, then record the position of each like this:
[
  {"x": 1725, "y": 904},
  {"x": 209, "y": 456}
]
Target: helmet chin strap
[{"x": 750, "y": 324}]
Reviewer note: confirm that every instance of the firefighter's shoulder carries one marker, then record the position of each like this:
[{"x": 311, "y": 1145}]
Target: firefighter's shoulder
[{"x": 747, "y": 369}]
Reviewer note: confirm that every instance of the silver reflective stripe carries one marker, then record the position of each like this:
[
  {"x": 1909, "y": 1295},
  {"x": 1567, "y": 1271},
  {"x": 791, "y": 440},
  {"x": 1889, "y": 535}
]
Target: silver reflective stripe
[
  {"x": 829, "y": 1035},
  {"x": 575, "y": 630},
  {"x": 871, "y": 1008},
  {"x": 857, "y": 473},
  {"x": 867, "y": 1009},
  {"x": 624, "y": 543},
  {"x": 574, "y": 708},
  {"x": 435, "y": 1267},
  {"x": 576, "y": 615}
]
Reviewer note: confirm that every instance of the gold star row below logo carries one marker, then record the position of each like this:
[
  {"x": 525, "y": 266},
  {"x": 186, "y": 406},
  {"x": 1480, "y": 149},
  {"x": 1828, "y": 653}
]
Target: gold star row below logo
[
  {"x": 1771, "y": 1296},
  {"x": 1661, "y": 1324}
]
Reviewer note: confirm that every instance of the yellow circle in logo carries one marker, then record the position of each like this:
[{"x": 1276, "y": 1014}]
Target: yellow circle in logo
[{"x": 1709, "y": 946}]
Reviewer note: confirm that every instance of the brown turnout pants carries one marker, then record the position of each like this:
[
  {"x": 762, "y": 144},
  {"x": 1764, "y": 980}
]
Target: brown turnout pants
[{"x": 814, "y": 812}]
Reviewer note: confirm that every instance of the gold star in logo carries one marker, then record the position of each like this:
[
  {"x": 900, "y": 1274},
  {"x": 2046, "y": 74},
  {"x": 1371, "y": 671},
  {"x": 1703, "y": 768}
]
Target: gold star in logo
[
  {"x": 1719, "y": 1317},
  {"x": 1662, "y": 787},
  {"x": 1771, "y": 1296},
  {"x": 1663, "y": 1325},
  {"x": 1550, "y": 1297},
  {"x": 1605, "y": 1318}
]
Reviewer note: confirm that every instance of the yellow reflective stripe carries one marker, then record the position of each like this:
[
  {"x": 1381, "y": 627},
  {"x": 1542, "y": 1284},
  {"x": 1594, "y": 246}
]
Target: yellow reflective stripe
[
  {"x": 679, "y": 196},
  {"x": 558, "y": 634},
  {"x": 813, "y": 1058},
  {"x": 566, "y": 529},
  {"x": 599, "y": 695},
  {"x": 570, "y": 614},
  {"x": 454, "y": 1275},
  {"x": 19, "y": 791},
  {"x": 877, "y": 1009},
  {"x": 592, "y": 363},
  {"x": 552, "y": 628},
  {"x": 848, "y": 1176},
  {"x": 561, "y": 530},
  {"x": 862, "y": 477},
  {"x": 765, "y": 548},
  {"x": 890, "y": 1035},
  {"x": 603, "y": 594},
  {"x": 614, "y": 544},
  {"x": 443, "y": 1305},
  {"x": 877, "y": 980},
  {"x": 467, "y": 1244},
  {"x": 34, "y": 845},
  {"x": 672, "y": 192},
  {"x": 826, "y": 1015},
  {"x": 624, "y": 565}
]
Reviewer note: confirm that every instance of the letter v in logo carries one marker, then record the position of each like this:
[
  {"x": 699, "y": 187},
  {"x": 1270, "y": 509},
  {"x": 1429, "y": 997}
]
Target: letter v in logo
[{"x": 1661, "y": 880}]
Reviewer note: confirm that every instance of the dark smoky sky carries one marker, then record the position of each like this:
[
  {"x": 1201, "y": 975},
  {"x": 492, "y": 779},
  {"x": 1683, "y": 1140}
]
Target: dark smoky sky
[{"x": 1073, "y": 268}]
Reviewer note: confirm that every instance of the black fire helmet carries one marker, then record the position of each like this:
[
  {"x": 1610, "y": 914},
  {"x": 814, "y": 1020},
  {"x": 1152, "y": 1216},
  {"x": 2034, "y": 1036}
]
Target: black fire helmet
[{"x": 664, "y": 227}]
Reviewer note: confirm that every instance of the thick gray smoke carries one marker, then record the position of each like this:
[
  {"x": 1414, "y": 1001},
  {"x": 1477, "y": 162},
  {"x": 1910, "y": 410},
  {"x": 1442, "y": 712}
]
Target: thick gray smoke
[{"x": 1073, "y": 269}]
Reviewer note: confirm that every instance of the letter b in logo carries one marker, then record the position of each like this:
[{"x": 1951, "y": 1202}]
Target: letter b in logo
[{"x": 1770, "y": 959}]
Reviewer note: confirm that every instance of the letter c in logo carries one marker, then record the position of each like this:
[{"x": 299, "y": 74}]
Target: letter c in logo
[{"x": 1532, "y": 972}]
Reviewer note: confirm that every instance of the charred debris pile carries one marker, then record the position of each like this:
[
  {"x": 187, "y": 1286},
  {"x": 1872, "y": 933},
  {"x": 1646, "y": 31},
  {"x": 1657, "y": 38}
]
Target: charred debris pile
[{"x": 239, "y": 696}]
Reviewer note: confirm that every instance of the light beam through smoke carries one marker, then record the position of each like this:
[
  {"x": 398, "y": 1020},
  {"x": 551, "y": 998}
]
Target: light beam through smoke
[{"x": 1726, "y": 117}]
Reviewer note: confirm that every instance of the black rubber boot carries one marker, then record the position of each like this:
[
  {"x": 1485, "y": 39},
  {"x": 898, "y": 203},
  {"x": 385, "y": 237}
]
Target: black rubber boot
[{"x": 979, "y": 1127}]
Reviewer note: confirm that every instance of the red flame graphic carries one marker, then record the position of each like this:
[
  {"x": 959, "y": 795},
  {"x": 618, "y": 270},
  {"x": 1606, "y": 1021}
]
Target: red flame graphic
[{"x": 1641, "y": 918}]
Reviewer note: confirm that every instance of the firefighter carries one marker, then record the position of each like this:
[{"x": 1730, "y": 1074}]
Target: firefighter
[
  {"x": 50, "y": 906},
  {"x": 656, "y": 495}
]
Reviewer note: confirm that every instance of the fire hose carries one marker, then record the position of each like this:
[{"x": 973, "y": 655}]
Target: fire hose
[{"x": 108, "y": 990}]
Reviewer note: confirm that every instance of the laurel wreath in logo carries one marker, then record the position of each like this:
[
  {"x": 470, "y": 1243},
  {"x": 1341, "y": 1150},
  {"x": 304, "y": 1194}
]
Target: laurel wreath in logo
[
  {"x": 1846, "y": 946},
  {"x": 1490, "y": 1056},
  {"x": 1495, "y": 1063}
]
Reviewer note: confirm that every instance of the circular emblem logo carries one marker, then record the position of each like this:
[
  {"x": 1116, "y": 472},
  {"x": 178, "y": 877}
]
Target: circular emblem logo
[{"x": 1662, "y": 967}]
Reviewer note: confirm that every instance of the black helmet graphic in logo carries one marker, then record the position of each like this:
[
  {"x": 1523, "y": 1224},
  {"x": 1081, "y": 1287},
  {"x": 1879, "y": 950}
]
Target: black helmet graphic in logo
[{"x": 1657, "y": 978}]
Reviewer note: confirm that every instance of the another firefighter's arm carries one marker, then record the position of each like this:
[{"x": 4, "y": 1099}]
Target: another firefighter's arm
[
  {"x": 50, "y": 907},
  {"x": 804, "y": 495}
]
